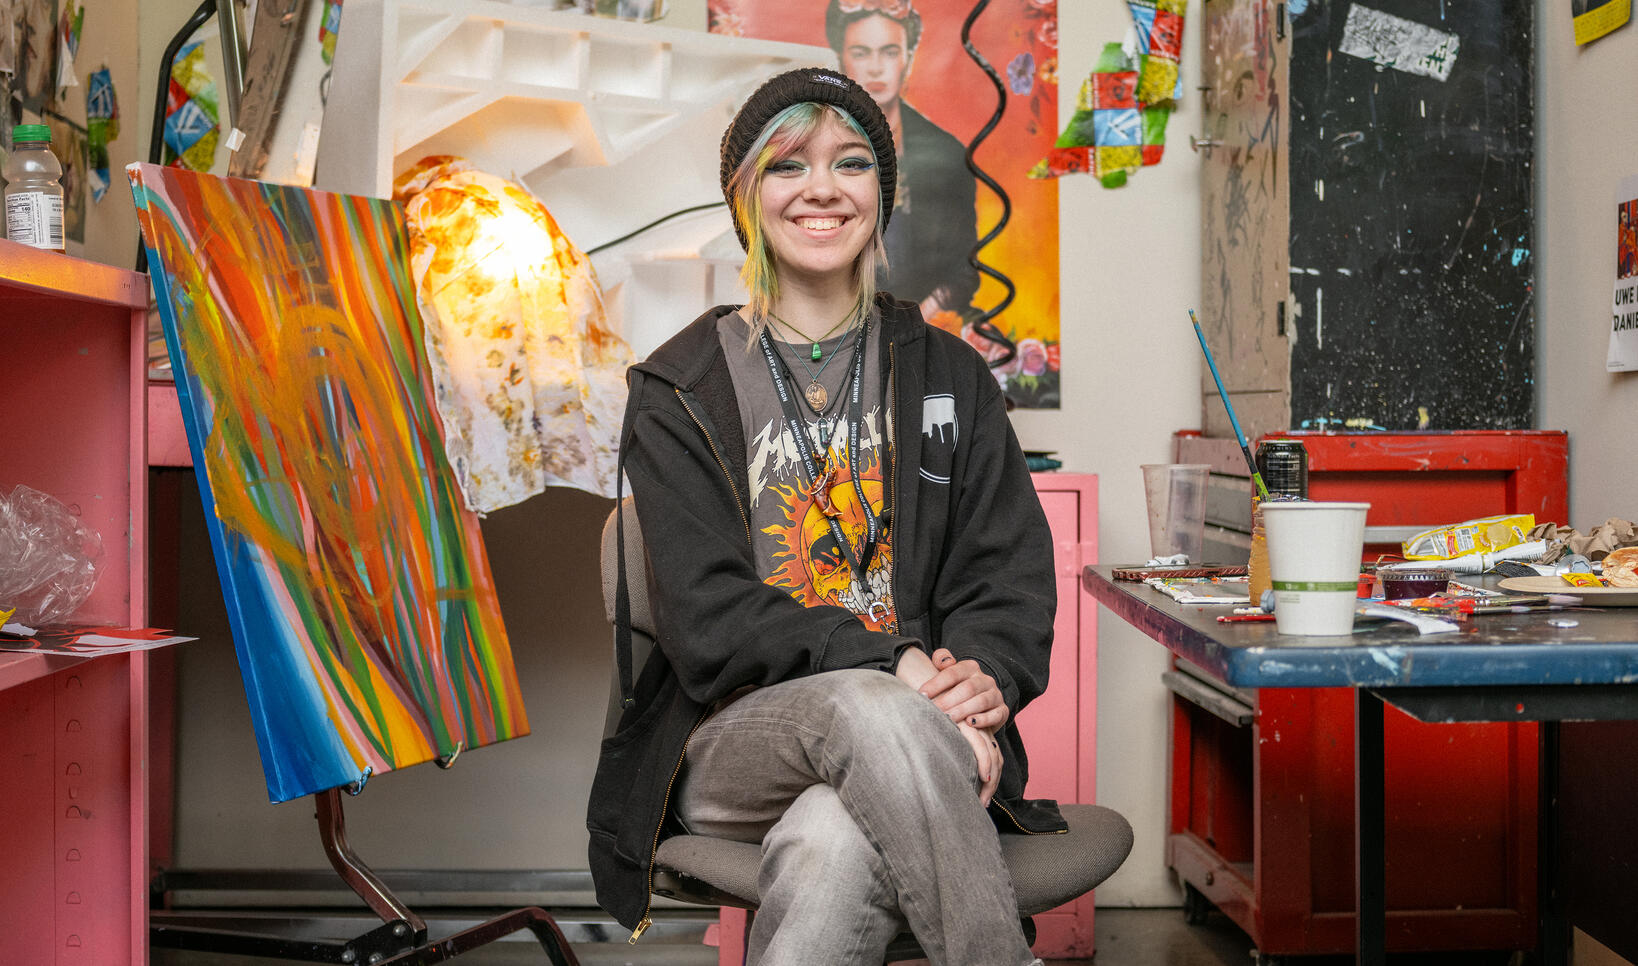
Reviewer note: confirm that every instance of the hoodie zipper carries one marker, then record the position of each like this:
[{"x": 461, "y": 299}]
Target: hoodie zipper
[
  {"x": 893, "y": 478},
  {"x": 654, "y": 849},
  {"x": 744, "y": 516},
  {"x": 1020, "y": 825}
]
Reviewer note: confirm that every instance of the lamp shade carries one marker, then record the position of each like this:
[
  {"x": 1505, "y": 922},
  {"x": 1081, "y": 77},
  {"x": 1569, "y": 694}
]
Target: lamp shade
[{"x": 529, "y": 380}]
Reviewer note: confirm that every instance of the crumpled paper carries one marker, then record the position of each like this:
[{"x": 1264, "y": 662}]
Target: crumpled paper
[
  {"x": 530, "y": 381},
  {"x": 1596, "y": 544}
]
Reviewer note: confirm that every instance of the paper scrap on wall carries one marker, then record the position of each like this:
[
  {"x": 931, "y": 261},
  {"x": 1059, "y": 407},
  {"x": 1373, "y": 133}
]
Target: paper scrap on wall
[
  {"x": 34, "y": 42},
  {"x": 1119, "y": 125},
  {"x": 191, "y": 111},
  {"x": 101, "y": 126},
  {"x": 529, "y": 380},
  {"x": 1112, "y": 133},
  {"x": 1595, "y": 18},
  {"x": 1390, "y": 41},
  {"x": 69, "y": 26},
  {"x": 1623, "y": 354}
]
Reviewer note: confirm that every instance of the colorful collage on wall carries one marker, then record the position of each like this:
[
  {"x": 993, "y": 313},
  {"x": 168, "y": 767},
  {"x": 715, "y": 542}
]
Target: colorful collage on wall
[
  {"x": 909, "y": 55},
  {"x": 363, "y": 611},
  {"x": 191, "y": 111},
  {"x": 101, "y": 126},
  {"x": 1119, "y": 125}
]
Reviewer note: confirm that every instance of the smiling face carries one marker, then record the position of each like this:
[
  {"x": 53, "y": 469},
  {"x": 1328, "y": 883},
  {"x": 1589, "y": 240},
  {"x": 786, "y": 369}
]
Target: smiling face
[
  {"x": 819, "y": 204},
  {"x": 876, "y": 54}
]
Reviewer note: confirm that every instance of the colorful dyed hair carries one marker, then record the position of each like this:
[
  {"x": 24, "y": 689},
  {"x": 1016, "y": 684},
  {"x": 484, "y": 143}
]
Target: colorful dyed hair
[{"x": 784, "y": 135}]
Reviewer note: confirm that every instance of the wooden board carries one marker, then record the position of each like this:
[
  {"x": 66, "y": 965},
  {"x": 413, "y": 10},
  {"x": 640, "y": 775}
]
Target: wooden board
[{"x": 1244, "y": 204}]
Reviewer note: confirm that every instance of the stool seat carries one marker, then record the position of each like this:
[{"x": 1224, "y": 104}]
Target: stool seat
[{"x": 1047, "y": 870}]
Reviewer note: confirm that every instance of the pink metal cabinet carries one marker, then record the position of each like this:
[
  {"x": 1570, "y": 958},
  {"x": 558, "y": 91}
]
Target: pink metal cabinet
[
  {"x": 73, "y": 733},
  {"x": 1060, "y": 727}
]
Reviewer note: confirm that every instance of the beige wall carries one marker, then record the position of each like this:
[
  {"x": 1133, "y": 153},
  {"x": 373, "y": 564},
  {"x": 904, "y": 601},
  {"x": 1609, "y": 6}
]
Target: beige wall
[
  {"x": 1586, "y": 141},
  {"x": 1129, "y": 273}
]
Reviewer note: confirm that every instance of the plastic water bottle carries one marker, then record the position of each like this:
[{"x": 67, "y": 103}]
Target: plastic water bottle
[{"x": 34, "y": 197}]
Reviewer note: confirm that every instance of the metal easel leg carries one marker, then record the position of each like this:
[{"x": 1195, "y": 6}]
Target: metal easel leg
[{"x": 402, "y": 937}]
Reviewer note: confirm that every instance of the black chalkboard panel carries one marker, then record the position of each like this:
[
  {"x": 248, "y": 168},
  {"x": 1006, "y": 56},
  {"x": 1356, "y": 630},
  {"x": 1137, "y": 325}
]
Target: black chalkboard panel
[{"x": 1411, "y": 205}]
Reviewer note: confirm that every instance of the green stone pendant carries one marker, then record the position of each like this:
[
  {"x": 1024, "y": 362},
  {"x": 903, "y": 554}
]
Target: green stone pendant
[{"x": 816, "y": 352}]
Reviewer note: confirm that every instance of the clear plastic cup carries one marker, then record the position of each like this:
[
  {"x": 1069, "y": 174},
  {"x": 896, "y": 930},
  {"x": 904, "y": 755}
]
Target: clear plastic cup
[
  {"x": 1313, "y": 559},
  {"x": 1176, "y": 497}
]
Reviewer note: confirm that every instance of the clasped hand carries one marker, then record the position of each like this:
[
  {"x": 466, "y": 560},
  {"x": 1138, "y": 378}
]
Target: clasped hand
[{"x": 970, "y": 698}]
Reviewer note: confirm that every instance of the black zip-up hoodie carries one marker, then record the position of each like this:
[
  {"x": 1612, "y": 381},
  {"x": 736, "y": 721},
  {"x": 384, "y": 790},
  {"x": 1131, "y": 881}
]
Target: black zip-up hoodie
[{"x": 972, "y": 572}]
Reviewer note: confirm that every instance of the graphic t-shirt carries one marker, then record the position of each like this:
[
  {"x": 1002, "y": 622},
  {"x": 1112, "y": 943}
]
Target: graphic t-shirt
[{"x": 794, "y": 544}]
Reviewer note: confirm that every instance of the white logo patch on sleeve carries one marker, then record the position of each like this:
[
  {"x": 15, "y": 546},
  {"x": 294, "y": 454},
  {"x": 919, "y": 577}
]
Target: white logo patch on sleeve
[{"x": 939, "y": 432}]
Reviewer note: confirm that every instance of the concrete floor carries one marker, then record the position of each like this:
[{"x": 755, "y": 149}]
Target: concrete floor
[{"x": 1125, "y": 937}]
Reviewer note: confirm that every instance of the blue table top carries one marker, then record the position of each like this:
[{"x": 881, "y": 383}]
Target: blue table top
[{"x": 1496, "y": 649}]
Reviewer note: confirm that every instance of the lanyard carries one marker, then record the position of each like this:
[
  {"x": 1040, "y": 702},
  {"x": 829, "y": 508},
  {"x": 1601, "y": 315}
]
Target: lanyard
[{"x": 812, "y": 478}]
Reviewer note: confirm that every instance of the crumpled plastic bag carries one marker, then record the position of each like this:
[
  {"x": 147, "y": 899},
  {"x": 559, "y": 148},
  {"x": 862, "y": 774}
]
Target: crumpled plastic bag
[
  {"x": 49, "y": 559},
  {"x": 1596, "y": 544}
]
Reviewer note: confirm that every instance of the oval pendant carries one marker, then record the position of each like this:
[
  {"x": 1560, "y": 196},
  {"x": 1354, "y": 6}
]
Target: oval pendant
[{"x": 816, "y": 395}]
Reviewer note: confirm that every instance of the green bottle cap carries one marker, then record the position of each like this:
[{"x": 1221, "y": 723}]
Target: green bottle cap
[{"x": 30, "y": 132}]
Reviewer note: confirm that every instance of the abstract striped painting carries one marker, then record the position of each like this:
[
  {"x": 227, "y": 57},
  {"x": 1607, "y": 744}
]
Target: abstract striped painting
[{"x": 362, "y": 607}]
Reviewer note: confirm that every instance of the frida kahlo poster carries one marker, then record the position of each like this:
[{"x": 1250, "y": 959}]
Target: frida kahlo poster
[
  {"x": 908, "y": 55},
  {"x": 363, "y": 612}
]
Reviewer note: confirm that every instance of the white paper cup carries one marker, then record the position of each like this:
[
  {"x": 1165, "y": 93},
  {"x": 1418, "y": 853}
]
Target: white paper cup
[{"x": 1313, "y": 560}]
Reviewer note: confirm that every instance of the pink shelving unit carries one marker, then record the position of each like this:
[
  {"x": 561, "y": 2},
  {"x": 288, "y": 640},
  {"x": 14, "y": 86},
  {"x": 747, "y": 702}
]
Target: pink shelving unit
[
  {"x": 1060, "y": 728},
  {"x": 74, "y": 732}
]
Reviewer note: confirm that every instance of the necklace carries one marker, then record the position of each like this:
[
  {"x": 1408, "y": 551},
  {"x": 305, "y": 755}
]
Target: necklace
[
  {"x": 814, "y": 393},
  {"x": 816, "y": 351}
]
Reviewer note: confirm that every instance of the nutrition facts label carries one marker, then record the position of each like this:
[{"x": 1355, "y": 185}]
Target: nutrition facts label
[{"x": 35, "y": 218}]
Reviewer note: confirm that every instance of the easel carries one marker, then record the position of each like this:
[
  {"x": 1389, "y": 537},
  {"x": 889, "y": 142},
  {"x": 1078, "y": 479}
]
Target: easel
[{"x": 400, "y": 939}]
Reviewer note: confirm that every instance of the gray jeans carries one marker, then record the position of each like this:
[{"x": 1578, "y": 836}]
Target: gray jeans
[{"x": 864, "y": 797}]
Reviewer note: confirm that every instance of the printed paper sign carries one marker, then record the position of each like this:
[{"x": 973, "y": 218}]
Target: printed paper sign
[
  {"x": 1624, "y": 315},
  {"x": 1406, "y": 45}
]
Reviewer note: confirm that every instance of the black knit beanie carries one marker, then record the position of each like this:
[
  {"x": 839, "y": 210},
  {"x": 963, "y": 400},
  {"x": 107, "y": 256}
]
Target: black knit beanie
[{"x": 819, "y": 85}]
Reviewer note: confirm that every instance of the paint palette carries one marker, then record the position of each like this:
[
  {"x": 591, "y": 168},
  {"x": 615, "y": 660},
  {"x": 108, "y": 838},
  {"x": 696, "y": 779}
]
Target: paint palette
[{"x": 1590, "y": 596}]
